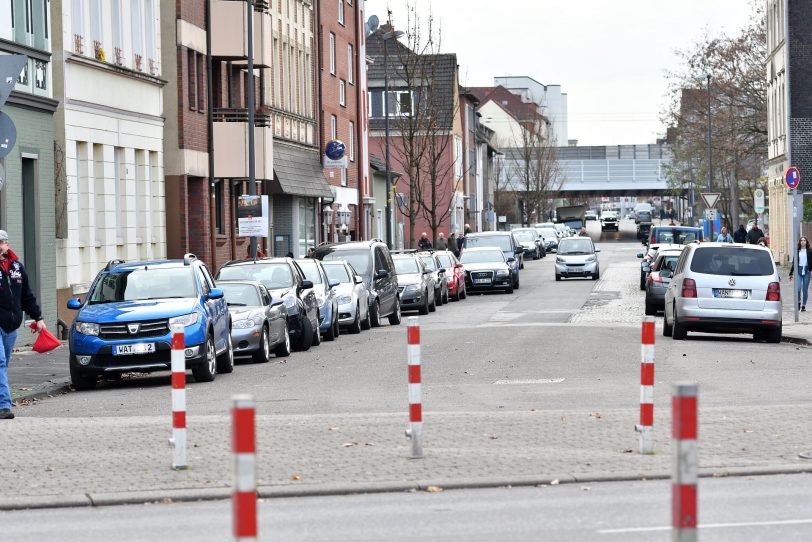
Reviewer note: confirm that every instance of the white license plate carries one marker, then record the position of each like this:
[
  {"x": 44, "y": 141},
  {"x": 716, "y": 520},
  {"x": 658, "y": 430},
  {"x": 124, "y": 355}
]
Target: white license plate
[
  {"x": 575, "y": 270},
  {"x": 130, "y": 349},
  {"x": 731, "y": 294},
  {"x": 482, "y": 281}
]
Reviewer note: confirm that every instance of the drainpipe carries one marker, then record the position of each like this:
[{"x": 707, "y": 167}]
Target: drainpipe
[
  {"x": 317, "y": 82},
  {"x": 210, "y": 138},
  {"x": 359, "y": 169}
]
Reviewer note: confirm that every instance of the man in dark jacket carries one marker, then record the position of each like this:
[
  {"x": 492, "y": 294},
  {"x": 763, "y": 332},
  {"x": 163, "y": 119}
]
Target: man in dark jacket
[
  {"x": 424, "y": 243},
  {"x": 15, "y": 296},
  {"x": 755, "y": 234},
  {"x": 740, "y": 235},
  {"x": 441, "y": 243}
]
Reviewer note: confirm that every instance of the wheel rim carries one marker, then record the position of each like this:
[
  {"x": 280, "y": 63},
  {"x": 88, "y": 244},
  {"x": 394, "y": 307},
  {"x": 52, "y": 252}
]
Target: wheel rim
[
  {"x": 230, "y": 350},
  {"x": 266, "y": 348},
  {"x": 212, "y": 355}
]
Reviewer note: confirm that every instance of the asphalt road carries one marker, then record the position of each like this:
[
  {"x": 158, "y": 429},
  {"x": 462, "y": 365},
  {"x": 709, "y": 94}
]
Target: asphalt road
[{"x": 730, "y": 510}]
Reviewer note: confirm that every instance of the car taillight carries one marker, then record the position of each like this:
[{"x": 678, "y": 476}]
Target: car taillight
[
  {"x": 688, "y": 288},
  {"x": 652, "y": 240},
  {"x": 655, "y": 277},
  {"x": 774, "y": 292}
]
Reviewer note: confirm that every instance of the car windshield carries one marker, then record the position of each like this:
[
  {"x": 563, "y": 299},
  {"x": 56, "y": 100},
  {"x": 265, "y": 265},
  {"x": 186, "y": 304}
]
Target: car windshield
[
  {"x": 271, "y": 275},
  {"x": 575, "y": 246},
  {"x": 499, "y": 241},
  {"x": 482, "y": 256},
  {"x": 677, "y": 237},
  {"x": 144, "y": 283},
  {"x": 311, "y": 270},
  {"x": 732, "y": 261},
  {"x": 337, "y": 272},
  {"x": 428, "y": 261},
  {"x": 240, "y": 295},
  {"x": 524, "y": 236},
  {"x": 406, "y": 266},
  {"x": 549, "y": 233},
  {"x": 358, "y": 259},
  {"x": 445, "y": 259}
]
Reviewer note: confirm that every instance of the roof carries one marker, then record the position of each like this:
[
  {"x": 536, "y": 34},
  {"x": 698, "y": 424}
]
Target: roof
[
  {"x": 508, "y": 101},
  {"x": 148, "y": 263},
  {"x": 379, "y": 165}
]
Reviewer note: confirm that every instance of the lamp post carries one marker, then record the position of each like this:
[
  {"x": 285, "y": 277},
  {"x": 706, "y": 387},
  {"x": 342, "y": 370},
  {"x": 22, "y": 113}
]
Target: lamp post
[
  {"x": 386, "y": 37},
  {"x": 252, "y": 175},
  {"x": 710, "y": 151}
]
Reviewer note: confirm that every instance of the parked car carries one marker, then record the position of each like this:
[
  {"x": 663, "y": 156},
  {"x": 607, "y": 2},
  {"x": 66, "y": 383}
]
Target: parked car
[
  {"x": 674, "y": 235},
  {"x": 487, "y": 269},
  {"x": 438, "y": 272},
  {"x": 328, "y": 302},
  {"x": 577, "y": 257},
  {"x": 643, "y": 231},
  {"x": 455, "y": 274},
  {"x": 532, "y": 242},
  {"x": 659, "y": 277},
  {"x": 549, "y": 236},
  {"x": 563, "y": 230},
  {"x": 415, "y": 284},
  {"x": 351, "y": 294},
  {"x": 505, "y": 242},
  {"x": 591, "y": 215},
  {"x": 373, "y": 262},
  {"x": 124, "y": 323},
  {"x": 284, "y": 279},
  {"x": 259, "y": 323},
  {"x": 724, "y": 288},
  {"x": 647, "y": 258},
  {"x": 642, "y": 216}
]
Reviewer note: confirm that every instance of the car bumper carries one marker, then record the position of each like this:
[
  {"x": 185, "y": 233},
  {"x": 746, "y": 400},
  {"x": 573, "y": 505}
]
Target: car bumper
[
  {"x": 246, "y": 340},
  {"x": 655, "y": 295},
  {"x": 346, "y": 314},
  {"x": 576, "y": 271},
  {"x": 411, "y": 301},
  {"x": 498, "y": 283},
  {"x": 104, "y": 362},
  {"x": 452, "y": 287},
  {"x": 727, "y": 320}
]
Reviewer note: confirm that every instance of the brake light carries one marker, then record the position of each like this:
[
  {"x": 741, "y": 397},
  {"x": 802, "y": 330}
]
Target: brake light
[
  {"x": 774, "y": 292},
  {"x": 688, "y": 288},
  {"x": 655, "y": 277},
  {"x": 652, "y": 240}
]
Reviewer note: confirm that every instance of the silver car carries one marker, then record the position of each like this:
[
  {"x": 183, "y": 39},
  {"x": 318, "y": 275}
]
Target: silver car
[
  {"x": 577, "y": 257},
  {"x": 532, "y": 242},
  {"x": 724, "y": 288},
  {"x": 352, "y": 295},
  {"x": 438, "y": 273},
  {"x": 259, "y": 324},
  {"x": 415, "y": 284}
]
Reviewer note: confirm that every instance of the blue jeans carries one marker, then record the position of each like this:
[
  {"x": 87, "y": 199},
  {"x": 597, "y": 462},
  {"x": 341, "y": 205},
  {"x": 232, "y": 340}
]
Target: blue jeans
[
  {"x": 802, "y": 283},
  {"x": 8, "y": 339}
]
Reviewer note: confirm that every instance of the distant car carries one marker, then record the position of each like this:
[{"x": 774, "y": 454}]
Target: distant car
[
  {"x": 549, "y": 237},
  {"x": 487, "y": 269},
  {"x": 591, "y": 215},
  {"x": 504, "y": 241},
  {"x": 610, "y": 221},
  {"x": 455, "y": 274},
  {"x": 438, "y": 272},
  {"x": 577, "y": 257},
  {"x": 259, "y": 324},
  {"x": 659, "y": 277},
  {"x": 328, "y": 304},
  {"x": 642, "y": 216},
  {"x": 643, "y": 230},
  {"x": 351, "y": 294},
  {"x": 532, "y": 242},
  {"x": 724, "y": 288},
  {"x": 415, "y": 284},
  {"x": 674, "y": 235}
]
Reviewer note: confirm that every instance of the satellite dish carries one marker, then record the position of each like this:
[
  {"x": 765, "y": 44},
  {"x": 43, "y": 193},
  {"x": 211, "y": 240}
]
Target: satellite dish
[{"x": 372, "y": 24}]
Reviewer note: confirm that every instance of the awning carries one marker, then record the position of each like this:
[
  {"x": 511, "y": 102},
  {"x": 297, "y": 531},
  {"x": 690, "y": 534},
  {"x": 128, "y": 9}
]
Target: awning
[{"x": 297, "y": 172}]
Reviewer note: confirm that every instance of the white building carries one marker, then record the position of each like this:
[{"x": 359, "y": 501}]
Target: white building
[
  {"x": 109, "y": 131},
  {"x": 549, "y": 97}
]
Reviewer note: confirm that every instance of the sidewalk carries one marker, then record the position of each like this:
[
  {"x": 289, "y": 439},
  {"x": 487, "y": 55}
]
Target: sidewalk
[
  {"x": 796, "y": 332},
  {"x": 35, "y": 376}
]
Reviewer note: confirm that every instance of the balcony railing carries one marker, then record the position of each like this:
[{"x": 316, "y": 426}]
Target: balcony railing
[{"x": 224, "y": 114}]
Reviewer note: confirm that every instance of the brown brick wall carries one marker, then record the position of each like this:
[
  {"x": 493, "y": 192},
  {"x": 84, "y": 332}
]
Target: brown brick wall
[{"x": 192, "y": 132}]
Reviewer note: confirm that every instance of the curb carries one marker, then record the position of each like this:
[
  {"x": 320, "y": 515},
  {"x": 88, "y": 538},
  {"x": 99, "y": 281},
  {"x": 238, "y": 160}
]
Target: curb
[
  {"x": 795, "y": 340},
  {"x": 49, "y": 389},
  {"x": 334, "y": 489}
]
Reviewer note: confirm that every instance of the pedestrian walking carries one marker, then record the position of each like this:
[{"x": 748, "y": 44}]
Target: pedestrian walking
[
  {"x": 804, "y": 257},
  {"x": 15, "y": 297},
  {"x": 467, "y": 229},
  {"x": 740, "y": 235},
  {"x": 460, "y": 243},
  {"x": 441, "y": 243},
  {"x": 424, "y": 243},
  {"x": 723, "y": 236},
  {"x": 452, "y": 244},
  {"x": 755, "y": 234}
]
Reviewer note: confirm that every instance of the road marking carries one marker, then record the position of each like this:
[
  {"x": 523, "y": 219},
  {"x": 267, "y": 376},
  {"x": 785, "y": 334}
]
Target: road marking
[
  {"x": 536, "y": 381},
  {"x": 711, "y": 526},
  {"x": 549, "y": 324}
]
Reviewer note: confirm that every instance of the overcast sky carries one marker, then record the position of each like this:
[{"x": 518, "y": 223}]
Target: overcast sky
[{"x": 609, "y": 56}]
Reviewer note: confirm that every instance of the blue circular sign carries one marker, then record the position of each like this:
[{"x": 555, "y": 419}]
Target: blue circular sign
[
  {"x": 793, "y": 177},
  {"x": 336, "y": 150}
]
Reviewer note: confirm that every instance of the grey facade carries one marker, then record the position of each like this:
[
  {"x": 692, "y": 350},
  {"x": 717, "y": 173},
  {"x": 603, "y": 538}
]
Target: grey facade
[{"x": 800, "y": 81}]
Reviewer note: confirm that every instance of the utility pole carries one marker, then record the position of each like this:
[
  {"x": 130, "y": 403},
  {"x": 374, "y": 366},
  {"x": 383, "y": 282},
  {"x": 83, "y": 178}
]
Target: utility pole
[
  {"x": 252, "y": 174},
  {"x": 710, "y": 150}
]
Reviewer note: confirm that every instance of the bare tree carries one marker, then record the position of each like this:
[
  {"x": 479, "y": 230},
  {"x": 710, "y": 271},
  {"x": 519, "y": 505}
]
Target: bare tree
[{"x": 504, "y": 197}]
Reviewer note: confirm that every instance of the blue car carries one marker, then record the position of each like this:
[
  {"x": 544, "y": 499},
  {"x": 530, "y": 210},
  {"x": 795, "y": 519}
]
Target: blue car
[
  {"x": 328, "y": 301},
  {"x": 124, "y": 323}
]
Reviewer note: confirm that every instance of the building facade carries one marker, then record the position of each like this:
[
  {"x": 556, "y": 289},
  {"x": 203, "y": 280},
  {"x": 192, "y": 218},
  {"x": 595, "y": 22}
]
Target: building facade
[
  {"x": 549, "y": 98},
  {"x": 27, "y": 210}
]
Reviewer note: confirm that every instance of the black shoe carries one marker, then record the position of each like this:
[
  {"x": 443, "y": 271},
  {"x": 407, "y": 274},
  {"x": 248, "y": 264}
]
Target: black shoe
[
  {"x": 803, "y": 308},
  {"x": 6, "y": 414}
]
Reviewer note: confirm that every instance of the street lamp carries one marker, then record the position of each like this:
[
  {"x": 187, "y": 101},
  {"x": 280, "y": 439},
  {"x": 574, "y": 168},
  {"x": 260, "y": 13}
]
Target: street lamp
[
  {"x": 328, "y": 220},
  {"x": 386, "y": 37}
]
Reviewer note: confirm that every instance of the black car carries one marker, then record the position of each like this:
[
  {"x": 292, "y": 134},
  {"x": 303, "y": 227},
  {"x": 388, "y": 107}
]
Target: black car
[
  {"x": 373, "y": 262},
  {"x": 416, "y": 284},
  {"x": 506, "y": 242},
  {"x": 284, "y": 279},
  {"x": 486, "y": 269}
]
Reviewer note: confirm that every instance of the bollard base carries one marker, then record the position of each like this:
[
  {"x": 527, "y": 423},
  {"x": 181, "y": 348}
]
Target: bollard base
[{"x": 646, "y": 439}]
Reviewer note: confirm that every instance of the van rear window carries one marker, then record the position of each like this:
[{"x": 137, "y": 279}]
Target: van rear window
[
  {"x": 732, "y": 261},
  {"x": 666, "y": 236}
]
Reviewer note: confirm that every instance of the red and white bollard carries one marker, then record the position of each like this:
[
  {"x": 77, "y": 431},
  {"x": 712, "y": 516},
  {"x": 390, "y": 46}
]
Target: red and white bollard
[
  {"x": 684, "y": 473},
  {"x": 178, "y": 359},
  {"x": 415, "y": 431},
  {"x": 244, "y": 498},
  {"x": 646, "y": 426}
]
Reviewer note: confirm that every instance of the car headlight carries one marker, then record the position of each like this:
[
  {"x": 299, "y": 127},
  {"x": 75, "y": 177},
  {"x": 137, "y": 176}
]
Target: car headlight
[
  {"x": 412, "y": 288},
  {"x": 185, "y": 320},
  {"x": 290, "y": 301},
  {"x": 559, "y": 260},
  {"x": 344, "y": 300},
  {"x": 502, "y": 272},
  {"x": 591, "y": 259},
  {"x": 244, "y": 324},
  {"x": 86, "y": 328}
]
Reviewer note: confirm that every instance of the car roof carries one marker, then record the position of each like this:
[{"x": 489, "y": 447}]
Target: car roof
[
  {"x": 258, "y": 261},
  {"x": 729, "y": 245},
  {"x": 254, "y": 283},
  {"x": 482, "y": 249},
  {"x": 489, "y": 233},
  {"x": 128, "y": 266}
]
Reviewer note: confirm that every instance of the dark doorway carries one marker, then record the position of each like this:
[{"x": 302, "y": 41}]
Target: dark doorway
[{"x": 30, "y": 223}]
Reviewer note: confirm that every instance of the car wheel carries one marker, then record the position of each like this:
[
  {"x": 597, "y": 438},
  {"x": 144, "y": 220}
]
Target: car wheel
[
  {"x": 445, "y": 297},
  {"x": 773, "y": 336},
  {"x": 509, "y": 289},
  {"x": 678, "y": 331},
  {"x": 438, "y": 299},
  {"x": 557, "y": 277},
  {"x": 667, "y": 329},
  {"x": 433, "y": 306},
  {"x": 375, "y": 317},
  {"x": 596, "y": 276},
  {"x": 356, "y": 324},
  {"x": 80, "y": 380},
  {"x": 642, "y": 282},
  {"x": 283, "y": 350},
  {"x": 395, "y": 317},
  {"x": 316, "y": 335},
  {"x": 263, "y": 355},
  {"x": 516, "y": 283},
  {"x": 225, "y": 361},
  {"x": 330, "y": 334},
  {"x": 464, "y": 293},
  {"x": 206, "y": 371},
  {"x": 425, "y": 308},
  {"x": 306, "y": 336},
  {"x": 366, "y": 323}
]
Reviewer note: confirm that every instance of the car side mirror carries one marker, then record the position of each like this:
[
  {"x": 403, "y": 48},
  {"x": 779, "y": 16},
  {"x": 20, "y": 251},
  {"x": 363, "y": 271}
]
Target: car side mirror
[
  {"x": 275, "y": 302},
  {"x": 382, "y": 273},
  {"x": 307, "y": 284},
  {"x": 519, "y": 249},
  {"x": 427, "y": 271},
  {"x": 215, "y": 293},
  {"x": 74, "y": 304},
  {"x": 511, "y": 259},
  {"x": 441, "y": 270},
  {"x": 358, "y": 280},
  {"x": 597, "y": 250},
  {"x": 333, "y": 283},
  {"x": 639, "y": 254}
]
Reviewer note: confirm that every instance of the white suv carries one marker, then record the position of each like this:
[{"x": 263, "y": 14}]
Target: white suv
[{"x": 724, "y": 288}]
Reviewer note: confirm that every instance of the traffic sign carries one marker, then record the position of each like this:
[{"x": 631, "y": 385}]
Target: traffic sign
[
  {"x": 8, "y": 134},
  {"x": 793, "y": 177},
  {"x": 711, "y": 199},
  {"x": 711, "y": 214},
  {"x": 758, "y": 201}
]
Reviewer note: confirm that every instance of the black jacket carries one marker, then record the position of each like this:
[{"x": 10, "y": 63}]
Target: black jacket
[
  {"x": 808, "y": 260},
  {"x": 424, "y": 244},
  {"x": 16, "y": 296},
  {"x": 740, "y": 236},
  {"x": 754, "y": 235}
]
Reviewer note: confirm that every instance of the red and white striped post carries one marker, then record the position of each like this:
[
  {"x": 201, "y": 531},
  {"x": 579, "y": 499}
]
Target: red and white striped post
[
  {"x": 244, "y": 498},
  {"x": 415, "y": 432},
  {"x": 684, "y": 473},
  {"x": 646, "y": 426},
  {"x": 178, "y": 359}
]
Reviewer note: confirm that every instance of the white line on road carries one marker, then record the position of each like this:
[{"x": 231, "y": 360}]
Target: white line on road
[
  {"x": 712, "y": 526},
  {"x": 536, "y": 381}
]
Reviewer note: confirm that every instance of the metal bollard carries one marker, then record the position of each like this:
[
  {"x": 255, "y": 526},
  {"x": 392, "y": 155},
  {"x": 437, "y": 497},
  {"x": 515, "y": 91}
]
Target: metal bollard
[
  {"x": 646, "y": 425},
  {"x": 178, "y": 358},
  {"x": 684, "y": 473},
  {"x": 243, "y": 438},
  {"x": 415, "y": 432}
]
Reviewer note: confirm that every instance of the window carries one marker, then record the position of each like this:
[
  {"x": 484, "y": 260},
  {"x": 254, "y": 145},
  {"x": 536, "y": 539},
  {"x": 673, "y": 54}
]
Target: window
[
  {"x": 400, "y": 103},
  {"x": 201, "y": 80},
  {"x": 117, "y": 34},
  {"x": 341, "y": 12},
  {"x": 342, "y": 93},
  {"x": 332, "y": 53},
  {"x": 95, "y": 21},
  {"x": 191, "y": 80},
  {"x": 343, "y": 176},
  {"x": 77, "y": 20},
  {"x": 218, "y": 207},
  {"x": 137, "y": 34},
  {"x": 351, "y": 146},
  {"x": 333, "y": 127},
  {"x": 149, "y": 28},
  {"x": 350, "y": 63}
]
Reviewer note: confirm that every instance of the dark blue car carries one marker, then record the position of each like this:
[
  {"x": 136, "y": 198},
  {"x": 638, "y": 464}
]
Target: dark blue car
[{"x": 123, "y": 324}]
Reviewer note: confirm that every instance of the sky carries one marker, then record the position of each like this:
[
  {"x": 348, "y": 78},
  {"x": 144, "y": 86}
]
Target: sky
[{"x": 609, "y": 56}]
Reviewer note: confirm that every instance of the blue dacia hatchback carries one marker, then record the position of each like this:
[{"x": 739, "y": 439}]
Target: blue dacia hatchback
[{"x": 123, "y": 324}]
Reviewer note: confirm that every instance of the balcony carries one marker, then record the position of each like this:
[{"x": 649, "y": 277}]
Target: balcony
[
  {"x": 230, "y": 33},
  {"x": 231, "y": 144}
]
